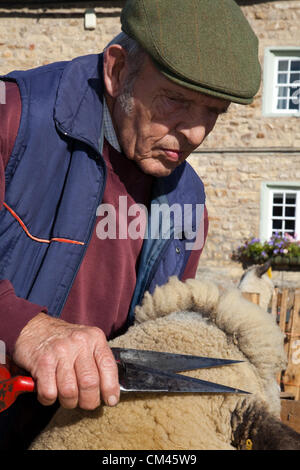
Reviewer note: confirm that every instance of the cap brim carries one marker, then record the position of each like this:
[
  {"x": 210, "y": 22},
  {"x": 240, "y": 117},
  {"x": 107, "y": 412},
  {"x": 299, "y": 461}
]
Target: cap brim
[{"x": 201, "y": 89}]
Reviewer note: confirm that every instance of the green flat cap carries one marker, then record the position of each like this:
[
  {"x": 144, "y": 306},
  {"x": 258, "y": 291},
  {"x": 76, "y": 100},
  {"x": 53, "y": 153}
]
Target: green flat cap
[{"x": 204, "y": 45}]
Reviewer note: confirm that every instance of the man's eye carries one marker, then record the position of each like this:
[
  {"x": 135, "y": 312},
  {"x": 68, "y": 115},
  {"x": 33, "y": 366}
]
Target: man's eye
[
  {"x": 175, "y": 102},
  {"x": 171, "y": 100}
]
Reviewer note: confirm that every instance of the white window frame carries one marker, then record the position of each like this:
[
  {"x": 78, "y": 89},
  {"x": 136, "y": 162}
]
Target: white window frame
[
  {"x": 266, "y": 205},
  {"x": 269, "y": 101}
]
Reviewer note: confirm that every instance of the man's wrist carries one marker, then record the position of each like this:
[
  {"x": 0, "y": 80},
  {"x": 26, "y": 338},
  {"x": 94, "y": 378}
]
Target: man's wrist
[{"x": 15, "y": 313}]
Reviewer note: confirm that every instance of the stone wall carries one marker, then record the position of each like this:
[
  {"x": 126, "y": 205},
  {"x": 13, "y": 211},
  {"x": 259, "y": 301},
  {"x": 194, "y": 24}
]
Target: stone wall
[
  {"x": 233, "y": 161},
  {"x": 233, "y": 180},
  {"x": 31, "y": 37}
]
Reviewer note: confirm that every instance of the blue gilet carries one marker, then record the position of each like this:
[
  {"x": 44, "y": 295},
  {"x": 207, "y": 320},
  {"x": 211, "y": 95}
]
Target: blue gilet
[{"x": 55, "y": 181}]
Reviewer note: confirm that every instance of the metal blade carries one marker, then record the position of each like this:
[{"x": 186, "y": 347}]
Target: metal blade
[
  {"x": 137, "y": 378},
  {"x": 168, "y": 361}
]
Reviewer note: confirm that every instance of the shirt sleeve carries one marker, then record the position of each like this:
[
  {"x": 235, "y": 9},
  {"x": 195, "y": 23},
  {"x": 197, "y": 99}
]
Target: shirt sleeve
[
  {"x": 193, "y": 261},
  {"x": 10, "y": 114},
  {"x": 15, "y": 312}
]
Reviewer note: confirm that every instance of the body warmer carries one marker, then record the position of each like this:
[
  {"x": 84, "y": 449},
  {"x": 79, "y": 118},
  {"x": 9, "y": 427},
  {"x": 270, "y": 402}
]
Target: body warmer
[{"x": 55, "y": 181}]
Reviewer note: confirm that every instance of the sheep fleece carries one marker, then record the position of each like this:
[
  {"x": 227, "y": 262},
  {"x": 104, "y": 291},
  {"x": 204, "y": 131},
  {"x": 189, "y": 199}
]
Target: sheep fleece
[{"x": 193, "y": 317}]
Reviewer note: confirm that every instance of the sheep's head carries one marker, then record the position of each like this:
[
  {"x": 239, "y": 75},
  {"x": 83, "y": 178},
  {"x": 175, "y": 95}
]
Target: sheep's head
[{"x": 256, "y": 279}]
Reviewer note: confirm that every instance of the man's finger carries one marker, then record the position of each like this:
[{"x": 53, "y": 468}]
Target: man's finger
[
  {"x": 46, "y": 380},
  {"x": 109, "y": 379},
  {"x": 88, "y": 381},
  {"x": 66, "y": 384}
]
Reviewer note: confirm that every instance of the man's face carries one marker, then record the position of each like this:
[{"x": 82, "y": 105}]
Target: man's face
[{"x": 166, "y": 121}]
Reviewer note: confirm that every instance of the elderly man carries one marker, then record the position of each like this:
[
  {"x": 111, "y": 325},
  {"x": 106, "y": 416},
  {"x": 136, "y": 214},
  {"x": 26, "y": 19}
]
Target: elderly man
[{"x": 79, "y": 138}]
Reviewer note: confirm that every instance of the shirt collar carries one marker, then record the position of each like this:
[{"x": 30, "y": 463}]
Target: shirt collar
[{"x": 108, "y": 131}]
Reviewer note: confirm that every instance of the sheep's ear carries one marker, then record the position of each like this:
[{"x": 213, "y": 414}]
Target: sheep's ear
[{"x": 260, "y": 270}]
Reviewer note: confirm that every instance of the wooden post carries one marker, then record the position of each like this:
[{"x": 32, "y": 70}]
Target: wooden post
[
  {"x": 274, "y": 310},
  {"x": 290, "y": 413},
  {"x": 283, "y": 309},
  {"x": 291, "y": 376},
  {"x": 282, "y": 312}
]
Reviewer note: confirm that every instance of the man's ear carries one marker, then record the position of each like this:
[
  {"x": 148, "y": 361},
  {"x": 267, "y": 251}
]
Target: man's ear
[{"x": 114, "y": 69}]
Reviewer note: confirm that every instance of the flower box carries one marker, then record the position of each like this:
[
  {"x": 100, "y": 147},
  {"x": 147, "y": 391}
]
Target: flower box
[{"x": 283, "y": 252}]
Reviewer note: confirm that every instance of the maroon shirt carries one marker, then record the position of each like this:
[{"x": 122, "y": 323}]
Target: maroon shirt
[
  {"x": 104, "y": 285},
  {"x": 107, "y": 277}
]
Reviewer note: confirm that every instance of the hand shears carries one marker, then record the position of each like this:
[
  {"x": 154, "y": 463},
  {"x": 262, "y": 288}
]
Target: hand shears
[{"x": 139, "y": 371}]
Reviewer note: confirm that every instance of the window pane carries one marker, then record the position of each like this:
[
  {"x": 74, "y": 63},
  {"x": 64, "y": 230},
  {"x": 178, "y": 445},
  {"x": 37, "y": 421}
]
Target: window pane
[
  {"x": 295, "y": 77},
  {"x": 277, "y": 224},
  {"x": 278, "y": 198},
  {"x": 282, "y": 78},
  {"x": 295, "y": 65},
  {"x": 290, "y": 232},
  {"x": 282, "y": 91},
  {"x": 294, "y": 98},
  {"x": 294, "y": 103},
  {"x": 290, "y": 211},
  {"x": 277, "y": 211},
  {"x": 290, "y": 225},
  {"x": 283, "y": 64},
  {"x": 290, "y": 198},
  {"x": 282, "y": 104},
  {"x": 294, "y": 88}
]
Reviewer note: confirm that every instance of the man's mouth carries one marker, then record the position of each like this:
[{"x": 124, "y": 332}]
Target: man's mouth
[{"x": 173, "y": 155}]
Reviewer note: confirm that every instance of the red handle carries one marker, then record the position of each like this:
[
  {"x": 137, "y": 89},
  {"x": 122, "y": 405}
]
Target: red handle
[
  {"x": 4, "y": 372},
  {"x": 11, "y": 388},
  {"x": 23, "y": 384}
]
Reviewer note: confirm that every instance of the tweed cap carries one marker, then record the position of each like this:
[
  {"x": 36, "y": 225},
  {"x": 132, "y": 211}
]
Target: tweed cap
[{"x": 204, "y": 45}]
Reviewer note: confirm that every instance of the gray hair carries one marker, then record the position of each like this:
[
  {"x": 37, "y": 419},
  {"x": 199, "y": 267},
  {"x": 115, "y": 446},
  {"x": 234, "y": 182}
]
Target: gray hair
[
  {"x": 136, "y": 58},
  {"x": 133, "y": 48}
]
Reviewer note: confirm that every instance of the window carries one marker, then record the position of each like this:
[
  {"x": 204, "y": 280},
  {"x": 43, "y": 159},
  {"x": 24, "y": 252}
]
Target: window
[
  {"x": 280, "y": 209},
  {"x": 283, "y": 207},
  {"x": 281, "y": 95}
]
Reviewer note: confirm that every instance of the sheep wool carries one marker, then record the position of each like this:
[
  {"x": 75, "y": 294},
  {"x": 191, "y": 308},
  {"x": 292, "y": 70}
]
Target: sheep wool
[{"x": 191, "y": 317}]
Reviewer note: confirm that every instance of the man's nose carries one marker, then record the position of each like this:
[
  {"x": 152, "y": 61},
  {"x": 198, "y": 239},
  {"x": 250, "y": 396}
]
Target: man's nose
[{"x": 193, "y": 133}]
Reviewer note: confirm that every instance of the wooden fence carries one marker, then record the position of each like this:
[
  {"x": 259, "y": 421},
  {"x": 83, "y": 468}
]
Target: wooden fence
[{"x": 285, "y": 306}]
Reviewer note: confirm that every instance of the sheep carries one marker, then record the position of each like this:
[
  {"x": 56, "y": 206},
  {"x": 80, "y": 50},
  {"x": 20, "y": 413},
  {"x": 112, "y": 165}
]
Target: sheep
[
  {"x": 191, "y": 317},
  {"x": 255, "y": 280}
]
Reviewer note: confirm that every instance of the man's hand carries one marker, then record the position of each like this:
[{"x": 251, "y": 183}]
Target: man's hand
[{"x": 71, "y": 362}]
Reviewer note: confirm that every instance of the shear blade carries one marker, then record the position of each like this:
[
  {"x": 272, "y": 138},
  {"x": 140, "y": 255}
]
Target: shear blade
[
  {"x": 137, "y": 378},
  {"x": 168, "y": 361}
]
